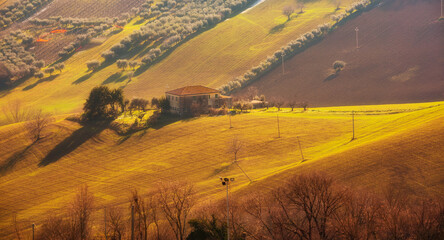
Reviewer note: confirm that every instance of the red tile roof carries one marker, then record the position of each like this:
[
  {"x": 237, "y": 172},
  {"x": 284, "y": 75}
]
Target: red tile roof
[{"x": 192, "y": 90}]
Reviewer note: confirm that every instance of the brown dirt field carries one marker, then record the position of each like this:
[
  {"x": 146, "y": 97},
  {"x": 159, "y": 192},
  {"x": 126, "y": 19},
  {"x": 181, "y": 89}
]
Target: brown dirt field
[
  {"x": 400, "y": 60},
  {"x": 88, "y": 8}
]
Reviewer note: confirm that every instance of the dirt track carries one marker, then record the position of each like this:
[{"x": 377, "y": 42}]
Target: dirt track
[{"x": 400, "y": 59}]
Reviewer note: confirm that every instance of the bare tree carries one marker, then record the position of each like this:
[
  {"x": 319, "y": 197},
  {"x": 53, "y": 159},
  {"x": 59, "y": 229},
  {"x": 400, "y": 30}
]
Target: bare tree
[
  {"x": 37, "y": 124},
  {"x": 308, "y": 204},
  {"x": 287, "y": 11},
  {"x": 304, "y": 105},
  {"x": 301, "y": 6},
  {"x": 235, "y": 147},
  {"x": 265, "y": 218},
  {"x": 358, "y": 219},
  {"x": 279, "y": 103},
  {"x": 292, "y": 105},
  {"x": 116, "y": 223},
  {"x": 142, "y": 215},
  {"x": 80, "y": 212},
  {"x": 176, "y": 202},
  {"x": 54, "y": 227},
  {"x": 338, "y": 4},
  {"x": 153, "y": 208},
  {"x": 15, "y": 112}
]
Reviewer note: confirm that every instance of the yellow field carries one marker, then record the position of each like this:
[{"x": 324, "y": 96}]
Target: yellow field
[
  {"x": 395, "y": 144},
  {"x": 212, "y": 58}
]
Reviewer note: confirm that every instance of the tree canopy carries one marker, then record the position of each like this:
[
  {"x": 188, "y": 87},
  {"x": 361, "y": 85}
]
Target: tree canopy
[{"x": 102, "y": 103}]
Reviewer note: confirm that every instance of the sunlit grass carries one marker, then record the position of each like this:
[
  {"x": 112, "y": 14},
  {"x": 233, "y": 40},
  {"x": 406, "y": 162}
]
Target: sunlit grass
[{"x": 197, "y": 150}]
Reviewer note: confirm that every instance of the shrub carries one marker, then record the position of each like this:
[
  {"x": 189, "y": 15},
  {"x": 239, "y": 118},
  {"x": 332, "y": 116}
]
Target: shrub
[
  {"x": 50, "y": 70},
  {"x": 92, "y": 65},
  {"x": 338, "y": 65},
  {"x": 108, "y": 55},
  {"x": 39, "y": 75}
]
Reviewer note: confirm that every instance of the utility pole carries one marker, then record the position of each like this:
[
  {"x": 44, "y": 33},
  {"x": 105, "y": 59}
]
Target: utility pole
[
  {"x": 225, "y": 182},
  {"x": 132, "y": 222},
  {"x": 300, "y": 148},
  {"x": 106, "y": 235},
  {"x": 279, "y": 130},
  {"x": 353, "y": 123},
  {"x": 357, "y": 39},
  {"x": 33, "y": 231}
]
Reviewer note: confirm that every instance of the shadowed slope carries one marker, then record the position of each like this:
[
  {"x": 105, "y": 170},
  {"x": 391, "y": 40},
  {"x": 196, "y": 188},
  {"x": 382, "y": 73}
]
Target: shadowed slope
[{"x": 399, "y": 60}]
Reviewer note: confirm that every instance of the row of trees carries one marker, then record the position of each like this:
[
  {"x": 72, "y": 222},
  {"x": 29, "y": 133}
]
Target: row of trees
[
  {"x": 104, "y": 103},
  {"x": 307, "y": 206},
  {"x": 18, "y": 10},
  {"x": 169, "y": 29},
  {"x": 292, "y": 48},
  {"x": 15, "y": 56},
  {"x": 295, "y": 47},
  {"x": 50, "y": 70}
]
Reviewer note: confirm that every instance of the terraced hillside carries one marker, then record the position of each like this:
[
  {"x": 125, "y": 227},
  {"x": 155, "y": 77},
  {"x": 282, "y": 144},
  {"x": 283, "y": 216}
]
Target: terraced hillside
[
  {"x": 399, "y": 60},
  {"x": 399, "y": 145},
  {"x": 212, "y": 58}
]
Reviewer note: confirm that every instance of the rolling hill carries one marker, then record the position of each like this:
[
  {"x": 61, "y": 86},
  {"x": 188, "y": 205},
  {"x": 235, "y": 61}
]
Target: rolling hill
[
  {"x": 39, "y": 178},
  {"x": 225, "y": 51},
  {"x": 399, "y": 59}
]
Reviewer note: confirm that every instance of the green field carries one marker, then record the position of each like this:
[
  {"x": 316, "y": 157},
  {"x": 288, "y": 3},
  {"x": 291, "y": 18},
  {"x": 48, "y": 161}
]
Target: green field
[
  {"x": 212, "y": 58},
  {"x": 395, "y": 144}
]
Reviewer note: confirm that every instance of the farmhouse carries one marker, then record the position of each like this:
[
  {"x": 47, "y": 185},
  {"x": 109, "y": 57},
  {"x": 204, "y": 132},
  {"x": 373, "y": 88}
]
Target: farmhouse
[{"x": 183, "y": 99}]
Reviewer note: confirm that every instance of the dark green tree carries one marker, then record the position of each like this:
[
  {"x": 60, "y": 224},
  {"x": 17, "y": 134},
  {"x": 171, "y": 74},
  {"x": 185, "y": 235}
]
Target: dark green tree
[
  {"x": 101, "y": 103},
  {"x": 164, "y": 104},
  {"x": 207, "y": 229}
]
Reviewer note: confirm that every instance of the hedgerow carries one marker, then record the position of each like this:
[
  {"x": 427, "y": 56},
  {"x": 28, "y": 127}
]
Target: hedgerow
[
  {"x": 170, "y": 29},
  {"x": 19, "y": 10}
]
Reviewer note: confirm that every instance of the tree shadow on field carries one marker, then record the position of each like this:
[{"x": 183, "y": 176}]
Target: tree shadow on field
[
  {"x": 280, "y": 27},
  {"x": 331, "y": 77},
  {"x": 46, "y": 79},
  {"x": 88, "y": 75},
  {"x": 13, "y": 160},
  {"x": 116, "y": 77},
  {"x": 71, "y": 143},
  {"x": 83, "y": 78}
]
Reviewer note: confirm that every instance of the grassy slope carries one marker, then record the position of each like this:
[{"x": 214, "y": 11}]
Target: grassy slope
[
  {"x": 232, "y": 47},
  {"x": 196, "y": 150},
  {"x": 224, "y": 52},
  {"x": 399, "y": 60}
]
